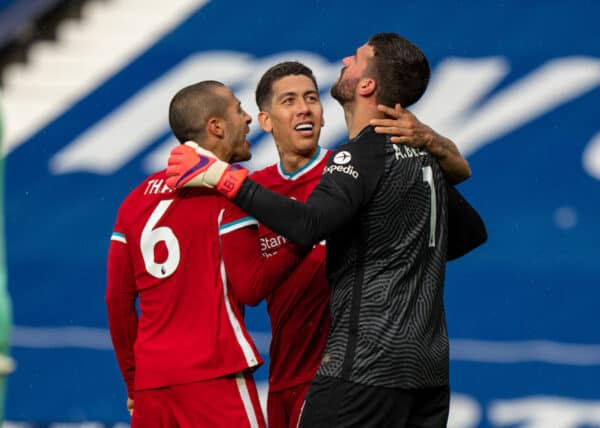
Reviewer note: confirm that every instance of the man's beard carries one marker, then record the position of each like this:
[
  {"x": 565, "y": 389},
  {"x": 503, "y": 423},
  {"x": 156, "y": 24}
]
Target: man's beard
[{"x": 343, "y": 90}]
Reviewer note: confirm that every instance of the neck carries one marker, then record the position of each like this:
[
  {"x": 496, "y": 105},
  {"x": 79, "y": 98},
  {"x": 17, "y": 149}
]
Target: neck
[
  {"x": 359, "y": 113},
  {"x": 292, "y": 162},
  {"x": 219, "y": 150}
]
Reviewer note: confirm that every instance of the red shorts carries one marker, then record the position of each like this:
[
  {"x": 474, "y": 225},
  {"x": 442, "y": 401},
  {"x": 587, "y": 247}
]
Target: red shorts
[
  {"x": 283, "y": 407},
  {"x": 226, "y": 402}
]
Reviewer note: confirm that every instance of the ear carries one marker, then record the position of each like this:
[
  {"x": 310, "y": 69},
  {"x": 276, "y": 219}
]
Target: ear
[
  {"x": 215, "y": 126},
  {"x": 264, "y": 120},
  {"x": 367, "y": 87}
]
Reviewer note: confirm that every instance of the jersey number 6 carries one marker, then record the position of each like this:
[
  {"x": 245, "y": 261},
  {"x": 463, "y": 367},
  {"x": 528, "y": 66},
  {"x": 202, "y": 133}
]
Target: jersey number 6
[{"x": 151, "y": 237}]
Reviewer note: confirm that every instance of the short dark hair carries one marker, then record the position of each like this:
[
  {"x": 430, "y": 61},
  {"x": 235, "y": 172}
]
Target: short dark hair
[
  {"x": 400, "y": 69},
  {"x": 191, "y": 108},
  {"x": 264, "y": 89}
]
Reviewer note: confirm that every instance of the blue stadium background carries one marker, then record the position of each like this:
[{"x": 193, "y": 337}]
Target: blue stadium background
[{"x": 522, "y": 310}]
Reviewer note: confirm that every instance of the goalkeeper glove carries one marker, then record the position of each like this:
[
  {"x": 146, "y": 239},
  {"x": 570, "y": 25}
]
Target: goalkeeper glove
[{"x": 192, "y": 166}]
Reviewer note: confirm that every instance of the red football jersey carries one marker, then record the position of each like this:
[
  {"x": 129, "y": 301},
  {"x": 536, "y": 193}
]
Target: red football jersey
[
  {"x": 167, "y": 250},
  {"x": 299, "y": 309}
]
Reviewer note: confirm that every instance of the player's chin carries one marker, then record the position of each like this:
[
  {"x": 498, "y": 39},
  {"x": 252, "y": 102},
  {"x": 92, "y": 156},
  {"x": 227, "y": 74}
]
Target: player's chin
[
  {"x": 247, "y": 149},
  {"x": 245, "y": 156},
  {"x": 308, "y": 142}
]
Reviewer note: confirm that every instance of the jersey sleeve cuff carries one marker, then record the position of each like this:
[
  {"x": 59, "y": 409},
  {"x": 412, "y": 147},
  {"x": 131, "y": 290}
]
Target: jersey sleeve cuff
[{"x": 237, "y": 224}]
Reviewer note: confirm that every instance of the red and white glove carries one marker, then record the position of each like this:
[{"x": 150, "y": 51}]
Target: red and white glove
[{"x": 190, "y": 165}]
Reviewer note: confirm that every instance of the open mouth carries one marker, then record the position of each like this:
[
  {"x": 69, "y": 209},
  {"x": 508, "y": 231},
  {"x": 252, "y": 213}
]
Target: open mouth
[{"x": 305, "y": 128}]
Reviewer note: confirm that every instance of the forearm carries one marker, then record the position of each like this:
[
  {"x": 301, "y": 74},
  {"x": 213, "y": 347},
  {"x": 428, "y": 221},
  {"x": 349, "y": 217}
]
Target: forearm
[
  {"x": 403, "y": 127},
  {"x": 255, "y": 277},
  {"x": 455, "y": 166},
  {"x": 123, "y": 321},
  {"x": 305, "y": 224},
  {"x": 466, "y": 230},
  {"x": 121, "y": 295}
]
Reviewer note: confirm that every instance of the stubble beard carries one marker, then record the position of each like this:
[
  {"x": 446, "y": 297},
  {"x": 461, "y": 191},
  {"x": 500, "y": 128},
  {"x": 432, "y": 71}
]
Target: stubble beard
[{"x": 343, "y": 90}]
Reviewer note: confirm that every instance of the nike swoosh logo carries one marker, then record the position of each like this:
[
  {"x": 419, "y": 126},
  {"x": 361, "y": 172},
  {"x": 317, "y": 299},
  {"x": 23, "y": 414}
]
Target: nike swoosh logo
[{"x": 202, "y": 162}]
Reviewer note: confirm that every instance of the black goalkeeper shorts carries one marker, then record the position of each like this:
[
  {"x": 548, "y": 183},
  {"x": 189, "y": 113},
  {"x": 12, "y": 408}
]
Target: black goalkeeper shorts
[{"x": 332, "y": 402}]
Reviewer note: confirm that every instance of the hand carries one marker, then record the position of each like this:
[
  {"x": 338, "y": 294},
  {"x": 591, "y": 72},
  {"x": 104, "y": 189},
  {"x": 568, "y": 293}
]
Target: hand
[
  {"x": 190, "y": 165},
  {"x": 130, "y": 406},
  {"x": 405, "y": 128},
  {"x": 187, "y": 163}
]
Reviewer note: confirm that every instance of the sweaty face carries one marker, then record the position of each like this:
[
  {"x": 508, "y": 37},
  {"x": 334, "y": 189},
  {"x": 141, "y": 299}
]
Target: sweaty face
[
  {"x": 236, "y": 129},
  {"x": 295, "y": 117},
  {"x": 344, "y": 90}
]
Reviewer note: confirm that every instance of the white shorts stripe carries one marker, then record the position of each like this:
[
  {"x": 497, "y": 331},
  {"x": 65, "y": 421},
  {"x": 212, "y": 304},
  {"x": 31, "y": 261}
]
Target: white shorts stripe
[
  {"x": 300, "y": 414},
  {"x": 246, "y": 399}
]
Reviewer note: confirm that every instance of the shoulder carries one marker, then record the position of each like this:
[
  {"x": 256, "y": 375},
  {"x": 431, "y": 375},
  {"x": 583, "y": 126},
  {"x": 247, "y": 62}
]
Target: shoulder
[
  {"x": 368, "y": 139},
  {"x": 366, "y": 143},
  {"x": 233, "y": 218},
  {"x": 366, "y": 146},
  {"x": 265, "y": 175},
  {"x": 153, "y": 184}
]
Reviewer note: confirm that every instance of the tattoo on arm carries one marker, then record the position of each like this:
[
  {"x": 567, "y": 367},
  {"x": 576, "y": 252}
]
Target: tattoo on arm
[{"x": 444, "y": 149}]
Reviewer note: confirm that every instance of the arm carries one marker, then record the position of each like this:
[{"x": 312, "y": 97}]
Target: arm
[
  {"x": 252, "y": 276},
  {"x": 407, "y": 129},
  {"x": 304, "y": 223},
  {"x": 340, "y": 194},
  {"x": 466, "y": 230},
  {"x": 122, "y": 315}
]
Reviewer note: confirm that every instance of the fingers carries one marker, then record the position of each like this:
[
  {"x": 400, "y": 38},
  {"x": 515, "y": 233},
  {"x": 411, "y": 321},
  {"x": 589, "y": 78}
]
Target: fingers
[
  {"x": 406, "y": 141},
  {"x": 191, "y": 144},
  {"x": 392, "y": 130},
  {"x": 398, "y": 123},
  {"x": 400, "y": 140},
  {"x": 396, "y": 112},
  {"x": 402, "y": 118},
  {"x": 172, "y": 182},
  {"x": 181, "y": 150},
  {"x": 188, "y": 148}
]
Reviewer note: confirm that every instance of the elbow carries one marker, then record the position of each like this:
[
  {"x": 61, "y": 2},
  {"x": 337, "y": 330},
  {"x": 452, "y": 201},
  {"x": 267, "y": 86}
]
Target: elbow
[
  {"x": 250, "y": 300},
  {"x": 113, "y": 306},
  {"x": 305, "y": 241},
  {"x": 248, "y": 294},
  {"x": 253, "y": 302},
  {"x": 305, "y": 237},
  {"x": 483, "y": 236},
  {"x": 467, "y": 173},
  {"x": 463, "y": 174}
]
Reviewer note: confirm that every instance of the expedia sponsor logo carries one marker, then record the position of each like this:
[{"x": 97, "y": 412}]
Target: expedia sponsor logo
[
  {"x": 342, "y": 158},
  {"x": 348, "y": 169}
]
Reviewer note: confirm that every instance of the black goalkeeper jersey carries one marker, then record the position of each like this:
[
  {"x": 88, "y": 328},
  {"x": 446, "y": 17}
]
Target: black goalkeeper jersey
[{"x": 383, "y": 210}]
